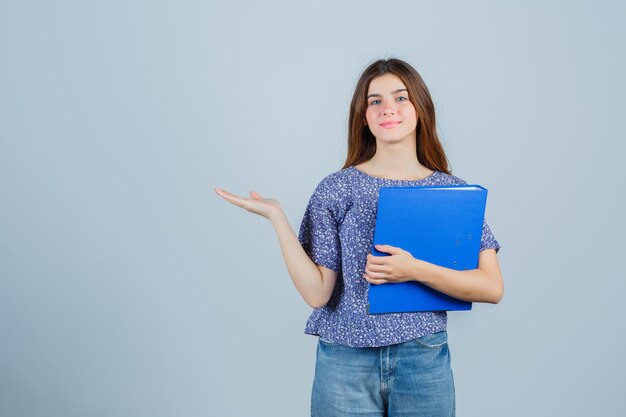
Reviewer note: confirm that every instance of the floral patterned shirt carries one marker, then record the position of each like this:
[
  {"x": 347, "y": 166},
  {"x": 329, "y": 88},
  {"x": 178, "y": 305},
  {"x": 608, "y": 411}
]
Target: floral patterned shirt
[{"x": 337, "y": 231}]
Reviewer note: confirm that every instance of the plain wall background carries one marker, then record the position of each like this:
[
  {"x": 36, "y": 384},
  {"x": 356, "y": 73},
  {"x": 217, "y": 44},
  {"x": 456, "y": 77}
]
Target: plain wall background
[{"x": 129, "y": 288}]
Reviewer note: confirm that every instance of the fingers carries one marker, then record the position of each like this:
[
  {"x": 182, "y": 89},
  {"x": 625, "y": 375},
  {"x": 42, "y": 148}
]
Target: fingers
[
  {"x": 376, "y": 260},
  {"x": 231, "y": 198},
  {"x": 373, "y": 268},
  {"x": 221, "y": 192},
  {"x": 393, "y": 250},
  {"x": 225, "y": 194},
  {"x": 375, "y": 281},
  {"x": 377, "y": 274}
]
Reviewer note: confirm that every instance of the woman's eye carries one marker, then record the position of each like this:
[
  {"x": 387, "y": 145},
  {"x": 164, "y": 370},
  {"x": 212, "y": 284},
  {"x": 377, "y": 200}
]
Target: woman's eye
[{"x": 401, "y": 97}]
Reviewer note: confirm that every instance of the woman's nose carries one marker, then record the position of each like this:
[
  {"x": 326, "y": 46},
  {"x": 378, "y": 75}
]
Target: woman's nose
[{"x": 389, "y": 109}]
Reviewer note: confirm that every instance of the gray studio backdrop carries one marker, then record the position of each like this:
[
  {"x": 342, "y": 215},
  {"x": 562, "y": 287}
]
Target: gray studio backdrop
[{"x": 129, "y": 288}]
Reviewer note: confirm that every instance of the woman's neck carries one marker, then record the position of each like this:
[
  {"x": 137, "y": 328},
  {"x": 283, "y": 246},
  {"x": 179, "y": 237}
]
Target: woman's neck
[{"x": 410, "y": 169}]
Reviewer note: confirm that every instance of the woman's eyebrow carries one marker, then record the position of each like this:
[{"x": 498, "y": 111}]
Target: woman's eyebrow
[{"x": 393, "y": 92}]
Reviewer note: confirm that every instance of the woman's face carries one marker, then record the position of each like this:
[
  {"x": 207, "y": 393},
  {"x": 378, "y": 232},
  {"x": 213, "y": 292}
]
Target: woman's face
[{"x": 390, "y": 114}]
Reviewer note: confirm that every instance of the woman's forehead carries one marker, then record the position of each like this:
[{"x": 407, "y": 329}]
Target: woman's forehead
[{"x": 386, "y": 83}]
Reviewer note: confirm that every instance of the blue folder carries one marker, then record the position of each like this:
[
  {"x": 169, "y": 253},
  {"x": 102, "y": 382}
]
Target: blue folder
[{"x": 438, "y": 224}]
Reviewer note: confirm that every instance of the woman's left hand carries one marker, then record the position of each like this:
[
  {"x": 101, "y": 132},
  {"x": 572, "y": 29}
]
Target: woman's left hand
[{"x": 398, "y": 267}]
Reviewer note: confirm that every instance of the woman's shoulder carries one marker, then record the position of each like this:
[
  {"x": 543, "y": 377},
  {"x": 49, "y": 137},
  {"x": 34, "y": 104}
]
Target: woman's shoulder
[
  {"x": 333, "y": 192},
  {"x": 448, "y": 179},
  {"x": 339, "y": 179}
]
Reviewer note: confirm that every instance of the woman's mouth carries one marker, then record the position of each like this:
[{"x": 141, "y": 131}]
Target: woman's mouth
[{"x": 389, "y": 125}]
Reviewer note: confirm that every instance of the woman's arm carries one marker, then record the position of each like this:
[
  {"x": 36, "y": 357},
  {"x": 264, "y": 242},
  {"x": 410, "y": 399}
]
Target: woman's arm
[
  {"x": 483, "y": 284},
  {"x": 315, "y": 283}
]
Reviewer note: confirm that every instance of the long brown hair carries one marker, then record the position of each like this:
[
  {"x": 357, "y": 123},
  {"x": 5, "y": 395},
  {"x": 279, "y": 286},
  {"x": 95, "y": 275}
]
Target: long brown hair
[{"x": 361, "y": 141}]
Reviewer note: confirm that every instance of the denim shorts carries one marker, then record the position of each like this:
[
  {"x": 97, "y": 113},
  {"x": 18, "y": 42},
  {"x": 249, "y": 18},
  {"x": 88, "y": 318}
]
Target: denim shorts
[{"x": 413, "y": 378}]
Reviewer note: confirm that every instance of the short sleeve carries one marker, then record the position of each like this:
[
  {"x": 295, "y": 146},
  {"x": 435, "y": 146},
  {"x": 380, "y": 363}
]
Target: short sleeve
[
  {"x": 319, "y": 231},
  {"x": 487, "y": 240}
]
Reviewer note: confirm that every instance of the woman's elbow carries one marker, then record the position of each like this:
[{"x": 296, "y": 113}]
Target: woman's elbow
[
  {"x": 497, "y": 298},
  {"x": 497, "y": 294},
  {"x": 317, "y": 302}
]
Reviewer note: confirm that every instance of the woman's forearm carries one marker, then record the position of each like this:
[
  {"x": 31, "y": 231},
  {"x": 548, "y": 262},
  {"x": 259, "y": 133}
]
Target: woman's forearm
[
  {"x": 475, "y": 285},
  {"x": 314, "y": 285},
  {"x": 305, "y": 275}
]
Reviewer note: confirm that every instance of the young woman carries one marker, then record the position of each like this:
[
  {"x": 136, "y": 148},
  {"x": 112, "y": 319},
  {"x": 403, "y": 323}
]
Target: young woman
[{"x": 386, "y": 364}]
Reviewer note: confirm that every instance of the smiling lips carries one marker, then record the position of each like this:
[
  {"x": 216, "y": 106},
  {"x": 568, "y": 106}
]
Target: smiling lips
[{"x": 389, "y": 125}]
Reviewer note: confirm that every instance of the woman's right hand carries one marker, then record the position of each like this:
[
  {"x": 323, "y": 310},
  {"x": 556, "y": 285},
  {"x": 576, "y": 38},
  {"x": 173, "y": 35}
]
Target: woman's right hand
[{"x": 265, "y": 207}]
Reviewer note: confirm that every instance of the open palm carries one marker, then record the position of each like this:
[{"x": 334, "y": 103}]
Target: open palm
[{"x": 256, "y": 203}]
